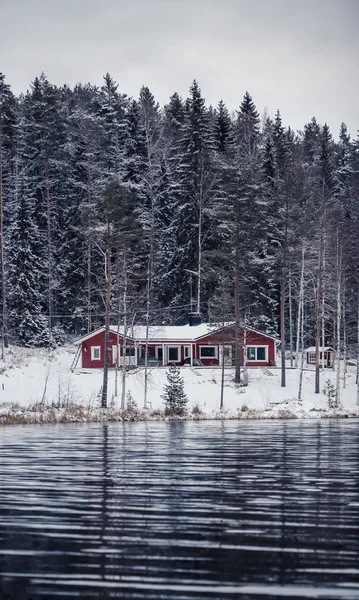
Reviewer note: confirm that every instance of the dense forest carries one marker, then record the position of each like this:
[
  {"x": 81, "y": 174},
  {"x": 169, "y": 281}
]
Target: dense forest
[{"x": 166, "y": 210}]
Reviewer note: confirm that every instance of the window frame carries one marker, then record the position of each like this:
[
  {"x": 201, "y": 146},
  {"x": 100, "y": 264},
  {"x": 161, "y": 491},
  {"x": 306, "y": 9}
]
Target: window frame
[
  {"x": 159, "y": 349},
  {"x": 128, "y": 348},
  {"x": 256, "y": 359},
  {"x": 93, "y": 348},
  {"x": 171, "y": 360},
  {"x": 311, "y": 358},
  {"x": 208, "y": 357}
]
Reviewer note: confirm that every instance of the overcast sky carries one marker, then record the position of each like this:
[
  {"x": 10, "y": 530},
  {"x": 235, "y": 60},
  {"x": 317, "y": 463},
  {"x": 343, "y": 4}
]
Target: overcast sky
[{"x": 296, "y": 55}]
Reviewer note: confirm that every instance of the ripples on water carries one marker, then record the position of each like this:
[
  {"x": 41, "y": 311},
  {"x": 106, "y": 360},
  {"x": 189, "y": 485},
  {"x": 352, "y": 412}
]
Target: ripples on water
[{"x": 180, "y": 510}]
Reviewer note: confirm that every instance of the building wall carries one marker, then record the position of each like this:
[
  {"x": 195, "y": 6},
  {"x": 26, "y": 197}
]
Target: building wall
[
  {"x": 98, "y": 341},
  {"x": 228, "y": 337}
]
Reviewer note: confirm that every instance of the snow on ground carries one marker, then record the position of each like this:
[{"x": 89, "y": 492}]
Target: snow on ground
[{"x": 28, "y": 376}]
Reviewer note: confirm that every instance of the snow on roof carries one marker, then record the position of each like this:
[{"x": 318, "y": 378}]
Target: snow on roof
[
  {"x": 173, "y": 333},
  {"x": 167, "y": 332},
  {"x": 313, "y": 349}
]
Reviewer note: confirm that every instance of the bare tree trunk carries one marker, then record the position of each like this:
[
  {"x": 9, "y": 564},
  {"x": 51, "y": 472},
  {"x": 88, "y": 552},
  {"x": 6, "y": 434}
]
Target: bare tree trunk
[
  {"x": 49, "y": 248},
  {"x": 107, "y": 326},
  {"x": 345, "y": 367},
  {"x": 300, "y": 302},
  {"x": 89, "y": 306},
  {"x": 5, "y": 340},
  {"x": 282, "y": 303},
  {"x": 237, "y": 376},
  {"x": 323, "y": 308},
  {"x": 302, "y": 346},
  {"x": 318, "y": 316},
  {"x": 117, "y": 364},
  {"x": 334, "y": 365},
  {"x": 222, "y": 378},
  {"x": 124, "y": 371},
  {"x": 245, "y": 370},
  {"x": 358, "y": 351},
  {"x": 290, "y": 317},
  {"x": 199, "y": 262},
  {"x": 339, "y": 318},
  {"x": 148, "y": 307},
  {"x": 89, "y": 259}
]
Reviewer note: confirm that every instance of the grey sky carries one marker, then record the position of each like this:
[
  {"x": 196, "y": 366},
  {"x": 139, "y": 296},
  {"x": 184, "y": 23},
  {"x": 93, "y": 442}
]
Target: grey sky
[{"x": 296, "y": 55}]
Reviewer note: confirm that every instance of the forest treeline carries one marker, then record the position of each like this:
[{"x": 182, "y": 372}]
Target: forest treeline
[{"x": 172, "y": 209}]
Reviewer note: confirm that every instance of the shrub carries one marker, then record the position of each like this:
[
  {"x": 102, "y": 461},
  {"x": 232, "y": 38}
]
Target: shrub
[
  {"x": 131, "y": 404},
  {"x": 329, "y": 392},
  {"x": 196, "y": 410}
]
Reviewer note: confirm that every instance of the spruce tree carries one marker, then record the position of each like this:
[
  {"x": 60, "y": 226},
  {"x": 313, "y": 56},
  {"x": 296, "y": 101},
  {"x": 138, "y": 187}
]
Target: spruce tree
[
  {"x": 29, "y": 325},
  {"x": 174, "y": 397}
]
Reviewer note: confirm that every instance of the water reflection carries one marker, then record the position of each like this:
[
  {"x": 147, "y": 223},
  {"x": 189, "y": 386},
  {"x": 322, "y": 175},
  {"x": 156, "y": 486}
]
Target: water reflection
[{"x": 180, "y": 510}]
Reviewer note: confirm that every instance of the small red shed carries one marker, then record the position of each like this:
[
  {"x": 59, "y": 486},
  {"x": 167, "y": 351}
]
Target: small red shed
[
  {"x": 180, "y": 344},
  {"x": 326, "y": 356}
]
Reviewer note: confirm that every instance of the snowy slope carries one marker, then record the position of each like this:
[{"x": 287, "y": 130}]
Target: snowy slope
[{"x": 29, "y": 376}]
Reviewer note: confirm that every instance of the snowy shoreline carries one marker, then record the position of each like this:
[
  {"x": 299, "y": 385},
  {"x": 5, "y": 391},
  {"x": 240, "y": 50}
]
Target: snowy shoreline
[
  {"x": 38, "y": 388},
  {"x": 78, "y": 414}
]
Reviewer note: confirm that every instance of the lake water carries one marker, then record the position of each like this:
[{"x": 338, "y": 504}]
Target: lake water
[{"x": 260, "y": 509}]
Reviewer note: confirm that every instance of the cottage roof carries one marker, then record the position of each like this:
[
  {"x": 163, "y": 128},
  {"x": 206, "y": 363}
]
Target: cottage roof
[
  {"x": 170, "y": 333},
  {"x": 167, "y": 332},
  {"x": 326, "y": 349}
]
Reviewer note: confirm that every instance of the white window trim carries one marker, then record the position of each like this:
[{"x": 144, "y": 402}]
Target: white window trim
[
  {"x": 114, "y": 353},
  {"x": 93, "y": 348},
  {"x": 311, "y": 357},
  {"x": 157, "y": 348},
  {"x": 255, "y": 359},
  {"x": 208, "y": 357},
  {"x": 178, "y": 354}
]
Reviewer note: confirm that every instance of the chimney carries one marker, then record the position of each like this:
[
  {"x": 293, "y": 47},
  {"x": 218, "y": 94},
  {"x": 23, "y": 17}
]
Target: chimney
[{"x": 194, "y": 319}]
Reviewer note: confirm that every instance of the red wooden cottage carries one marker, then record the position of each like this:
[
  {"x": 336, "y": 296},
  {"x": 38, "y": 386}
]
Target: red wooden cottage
[
  {"x": 326, "y": 356},
  {"x": 196, "y": 344}
]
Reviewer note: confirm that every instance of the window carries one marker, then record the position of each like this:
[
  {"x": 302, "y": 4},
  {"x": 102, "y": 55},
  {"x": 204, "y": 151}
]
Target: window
[
  {"x": 311, "y": 357},
  {"x": 130, "y": 351},
  {"x": 257, "y": 353},
  {"x": 95, "y": 353},
  {"x": 159, "y": 352},
  {"x": 173, "y": 354},
  {"x": 186, "y": 351},
  {"x": 251, "y": 354},
  {"x": 261, "y": 353},
  {"x": 208, "y": 351}
]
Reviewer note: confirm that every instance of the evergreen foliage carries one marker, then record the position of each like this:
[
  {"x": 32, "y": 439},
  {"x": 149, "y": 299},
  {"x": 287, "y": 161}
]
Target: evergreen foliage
[
  {"x": 174, "y": 397},
  {"x": 131, "y": 404},
  {"x": 187, "y": 194}
]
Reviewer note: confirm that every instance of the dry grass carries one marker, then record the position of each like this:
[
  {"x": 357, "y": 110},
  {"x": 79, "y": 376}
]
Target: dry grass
[{"x": 40, "y": 413}]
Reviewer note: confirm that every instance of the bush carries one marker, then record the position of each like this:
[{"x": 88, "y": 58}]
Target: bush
[
  {"x": 131, "y": 404},
  {"x": 196, "y": 410},
  {"x": 329, "y": 392}
]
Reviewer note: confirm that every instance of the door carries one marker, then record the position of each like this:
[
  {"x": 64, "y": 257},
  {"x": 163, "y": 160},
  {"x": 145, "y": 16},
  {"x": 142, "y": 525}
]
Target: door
[{"x": 226, "y": 355}]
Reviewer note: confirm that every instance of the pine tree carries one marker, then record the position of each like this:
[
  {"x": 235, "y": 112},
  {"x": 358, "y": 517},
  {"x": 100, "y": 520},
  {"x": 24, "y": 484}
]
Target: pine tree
[
  {"x": 174, "y": 397},
  {"x": 198, "y": 194},
  {"x": 7, "y": 147},
  {"x": 29, "y": 325},
  {"x": 223, "y": 131}
]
